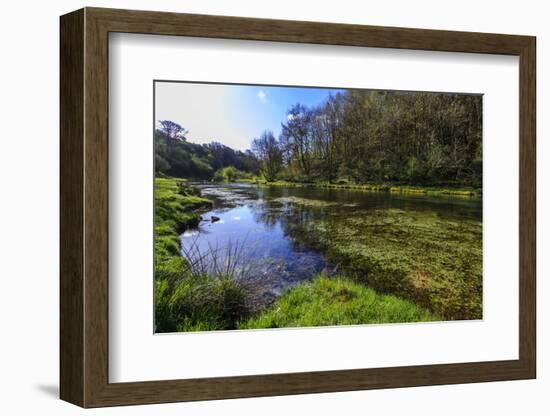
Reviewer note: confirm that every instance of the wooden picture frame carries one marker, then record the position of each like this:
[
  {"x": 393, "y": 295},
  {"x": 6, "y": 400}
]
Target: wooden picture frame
[{"x": 84, "y": 207}]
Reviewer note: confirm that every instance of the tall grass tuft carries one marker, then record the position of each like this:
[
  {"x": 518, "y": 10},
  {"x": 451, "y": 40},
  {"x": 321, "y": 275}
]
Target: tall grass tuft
[
  {"x": 231, "y": 261},
  {"x": 210, "y": 289}
]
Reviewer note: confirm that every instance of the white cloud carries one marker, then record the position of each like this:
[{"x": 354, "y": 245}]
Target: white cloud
[{"x": 262, "y": 95}]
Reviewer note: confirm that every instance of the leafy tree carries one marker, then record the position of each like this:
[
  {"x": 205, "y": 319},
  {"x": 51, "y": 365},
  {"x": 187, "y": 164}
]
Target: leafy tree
[
  {"x": 297, "y": 136},
  {"x": 172, "y": 130},
  {"x": 384, "y": 136},
  {"x": 267, "y": 149},
  {"x": 359, "y": 135}
]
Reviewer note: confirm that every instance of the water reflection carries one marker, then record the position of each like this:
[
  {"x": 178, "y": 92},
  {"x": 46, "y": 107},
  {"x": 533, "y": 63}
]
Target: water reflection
[{"x": 272, "y": 225}]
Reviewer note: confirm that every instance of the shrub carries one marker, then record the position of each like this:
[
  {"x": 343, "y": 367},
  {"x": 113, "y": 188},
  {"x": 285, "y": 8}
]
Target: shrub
[{"x": 230, "y": 174}]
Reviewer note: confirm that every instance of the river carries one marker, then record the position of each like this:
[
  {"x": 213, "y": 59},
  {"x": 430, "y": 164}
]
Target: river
[{"x": 265, "y": 227}]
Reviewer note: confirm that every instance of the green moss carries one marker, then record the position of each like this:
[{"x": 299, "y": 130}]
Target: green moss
[
  {"x": 337, "y": 301},
  {"x": 314, "y": 203},
  {"x": 435, "y": 262},
  {"x": 175, "y": 209},
  {"x": 373, "y": 187}
]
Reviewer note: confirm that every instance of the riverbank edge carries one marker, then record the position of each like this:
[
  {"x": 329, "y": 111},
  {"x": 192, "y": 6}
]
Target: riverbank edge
[
  {"x": 175, "y": 211},
  {"x": 371, "y": 187},
  {"x": 170, "y": 272}
]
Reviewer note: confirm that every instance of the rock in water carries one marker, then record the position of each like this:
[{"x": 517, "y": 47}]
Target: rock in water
[{"x": 214, "y": 218}]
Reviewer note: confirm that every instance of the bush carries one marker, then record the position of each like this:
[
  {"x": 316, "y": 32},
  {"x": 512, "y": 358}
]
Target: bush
[{"x": 230, "y": 174}]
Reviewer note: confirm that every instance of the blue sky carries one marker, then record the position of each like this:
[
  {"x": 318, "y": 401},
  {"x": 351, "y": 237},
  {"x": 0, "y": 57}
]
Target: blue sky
[{"x": 230, "y": 114}]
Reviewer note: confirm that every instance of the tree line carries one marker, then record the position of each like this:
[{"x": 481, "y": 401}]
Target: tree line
[
  {"x": 355, "y": 136},
  {"x": 175, "y": 156},
  {"x": 378, "y": 136}
]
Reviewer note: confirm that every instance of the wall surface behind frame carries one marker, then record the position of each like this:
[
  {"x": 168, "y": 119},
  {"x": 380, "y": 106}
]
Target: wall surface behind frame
[{"x": 30, "y": 192}]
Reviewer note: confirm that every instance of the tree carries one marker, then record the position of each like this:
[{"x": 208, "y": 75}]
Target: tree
[
  {"x": 266, "y": 148},
  {"x": 416, "y": 138},
  {"x": 326, "y": 131},
  {"x": 172, "y": 130},
  {"x": 386, "y": 136},
  {"x": 175, "y": 156},
  {"x": 297, "y": 135}
]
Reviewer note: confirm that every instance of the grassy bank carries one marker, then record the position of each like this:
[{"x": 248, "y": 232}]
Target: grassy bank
[
  {"x": 435, "y": 262},
  {"x": 184, "y": 300},
  {"x": 372, "y": 187},
  {"x": 176, "y": 208},
  {"x": 187, "y": 299},
  {"x": 336, "y": 301}
]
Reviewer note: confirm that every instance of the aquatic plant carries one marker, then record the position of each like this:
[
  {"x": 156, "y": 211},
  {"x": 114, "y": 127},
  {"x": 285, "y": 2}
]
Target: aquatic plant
[
  {"x": 431, "y": 260},
  {"x": 395, "y": 265},
  {"x": 376, "y": 187}
]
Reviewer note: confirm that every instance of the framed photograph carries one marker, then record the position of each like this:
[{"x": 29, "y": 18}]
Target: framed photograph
[{"x": 256, "y": 207}]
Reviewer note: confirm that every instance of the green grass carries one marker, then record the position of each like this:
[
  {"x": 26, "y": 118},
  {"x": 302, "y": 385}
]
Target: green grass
[
  {"x": 176, "y": 208},
  {"x": 185, "y": 300},
  {"x": 337, "y": 301},
  {"x": 188, "y": 302},
  {"x": 435, "y": 262},
  {"x": 374, "y": 187}
]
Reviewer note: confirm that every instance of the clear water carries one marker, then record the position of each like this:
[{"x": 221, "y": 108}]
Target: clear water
[{"x": 265, "y": 226}]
